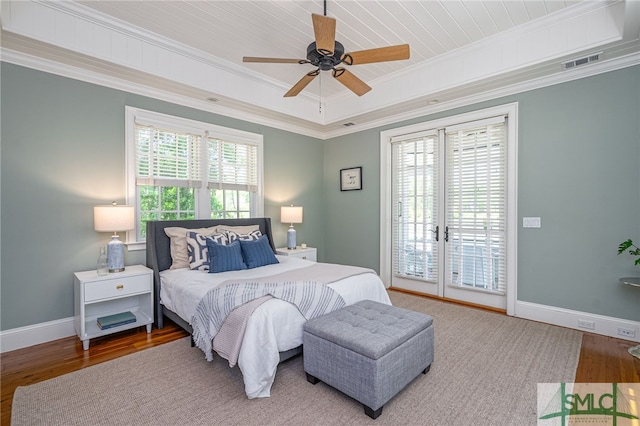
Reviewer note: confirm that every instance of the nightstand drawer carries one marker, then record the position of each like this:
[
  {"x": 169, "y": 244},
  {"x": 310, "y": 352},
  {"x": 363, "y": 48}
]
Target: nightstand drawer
[
  {"x": 307, "y": 253},
  {"x": 306, "y": 256},
  {"x": 116, "y": 287}
]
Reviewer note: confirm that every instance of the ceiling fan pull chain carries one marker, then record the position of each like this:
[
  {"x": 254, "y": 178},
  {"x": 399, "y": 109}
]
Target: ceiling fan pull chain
[{"x": 320, "y": 94}]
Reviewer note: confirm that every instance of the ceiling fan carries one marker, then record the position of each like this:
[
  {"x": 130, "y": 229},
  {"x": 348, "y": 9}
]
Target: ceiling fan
[{"x": 326, "y": 54}]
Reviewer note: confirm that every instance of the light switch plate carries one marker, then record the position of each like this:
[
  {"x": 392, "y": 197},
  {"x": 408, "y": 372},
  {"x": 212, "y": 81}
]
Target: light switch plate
[{"x": 531, "y": 222}]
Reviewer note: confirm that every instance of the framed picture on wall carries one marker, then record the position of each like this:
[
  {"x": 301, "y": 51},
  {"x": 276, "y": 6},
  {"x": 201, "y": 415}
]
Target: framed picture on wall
[{"x": 351, "y": 179}]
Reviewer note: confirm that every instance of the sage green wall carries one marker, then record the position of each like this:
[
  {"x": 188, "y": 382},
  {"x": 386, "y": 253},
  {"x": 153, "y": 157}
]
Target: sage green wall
[
  {"x": 579, "y": 155},
  {"x": 578, "y": 169},
  {"x": 63, "y": 153}
]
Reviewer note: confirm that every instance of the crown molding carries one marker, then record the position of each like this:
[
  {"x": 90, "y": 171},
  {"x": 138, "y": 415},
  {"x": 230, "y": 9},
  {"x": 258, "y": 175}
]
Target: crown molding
[
  {"x": 563, "y": 77},
  {"x": 24, "y": 19},
  {"x": 311, "y": 129},
  {"x": 390, "y": 93},
  {"x": 249, "y": 114},
  {"x": 367, "y": 114}
]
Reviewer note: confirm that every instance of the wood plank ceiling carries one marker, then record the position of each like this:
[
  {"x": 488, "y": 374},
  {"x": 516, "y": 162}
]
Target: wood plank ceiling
[
  {"x": 190, "y": 52},
  {"x": 232, "y": 29}
]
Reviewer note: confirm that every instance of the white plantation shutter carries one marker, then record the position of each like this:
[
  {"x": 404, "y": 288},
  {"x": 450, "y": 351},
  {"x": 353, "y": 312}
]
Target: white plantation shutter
[
  {"x": 173, "y": 158},
  {"x": 415, "y": 205},
  {"x": 167, "y": 157},
  {"x": 232, "y": 165},
  {"x": 476, "y": 204}
]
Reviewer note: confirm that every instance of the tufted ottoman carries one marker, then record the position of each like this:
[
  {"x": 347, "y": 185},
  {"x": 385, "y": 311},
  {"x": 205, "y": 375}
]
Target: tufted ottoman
[{"x": 368, "y": 350}]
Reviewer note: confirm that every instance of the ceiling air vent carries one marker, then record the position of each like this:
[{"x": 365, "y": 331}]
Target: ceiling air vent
[{"x": 581, "y": 61}]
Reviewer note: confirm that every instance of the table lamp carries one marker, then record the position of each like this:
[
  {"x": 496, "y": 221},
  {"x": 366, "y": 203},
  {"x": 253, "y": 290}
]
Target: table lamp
[
  {"x": 291, "y": 214},
  {"x": 114, "y": 218}
]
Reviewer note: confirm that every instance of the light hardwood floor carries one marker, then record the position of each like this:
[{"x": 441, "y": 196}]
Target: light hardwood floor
[{"x": 602, "y": 359}]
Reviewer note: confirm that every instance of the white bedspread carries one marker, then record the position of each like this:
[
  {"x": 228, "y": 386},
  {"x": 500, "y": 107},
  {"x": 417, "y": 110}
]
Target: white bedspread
[{"x": 274, "y": 327}]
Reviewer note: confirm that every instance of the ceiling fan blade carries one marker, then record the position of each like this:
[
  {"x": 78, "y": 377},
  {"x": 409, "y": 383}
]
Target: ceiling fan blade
[
  {"x": 274, "y": 60},
  {"x": 302, "y": 83},
  {"x": 381, "y": 54},
  {"x": 352, "y": 82},
  {"x": 325, "y": 32}
]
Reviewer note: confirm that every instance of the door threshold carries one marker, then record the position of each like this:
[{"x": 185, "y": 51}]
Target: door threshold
[{"x": 448, "y": 300}]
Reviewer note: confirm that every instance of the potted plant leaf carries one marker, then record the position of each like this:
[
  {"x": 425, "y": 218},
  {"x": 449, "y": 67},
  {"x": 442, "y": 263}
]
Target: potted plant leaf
[{"x": 633, "y": 250}]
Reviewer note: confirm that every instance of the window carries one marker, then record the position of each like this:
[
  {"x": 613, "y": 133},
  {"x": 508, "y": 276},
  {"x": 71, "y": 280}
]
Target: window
[{"x": 184, "y": 169}]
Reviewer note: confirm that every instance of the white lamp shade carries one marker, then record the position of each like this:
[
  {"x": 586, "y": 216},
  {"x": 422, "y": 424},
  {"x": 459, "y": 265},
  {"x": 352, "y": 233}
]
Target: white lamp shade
[
  {"x": 291, "y": 214},
  {"x": 113, "y": 218}
]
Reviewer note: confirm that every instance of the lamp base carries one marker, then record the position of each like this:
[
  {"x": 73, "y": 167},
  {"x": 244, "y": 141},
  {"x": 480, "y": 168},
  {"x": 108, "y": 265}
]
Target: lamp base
[
  {"x": 291, "y": 238},
  {"x": 115, "y": 255}
]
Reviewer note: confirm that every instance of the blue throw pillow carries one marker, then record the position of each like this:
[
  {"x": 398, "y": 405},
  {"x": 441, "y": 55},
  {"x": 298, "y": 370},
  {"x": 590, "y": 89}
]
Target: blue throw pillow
[
  {"x": 197, "y": 250},
  {"x": 224, "y": 258},
  {"x": 258, "y": 252}
]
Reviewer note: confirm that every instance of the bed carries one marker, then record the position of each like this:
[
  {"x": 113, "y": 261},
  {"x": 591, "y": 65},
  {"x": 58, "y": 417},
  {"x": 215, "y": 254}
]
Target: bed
[{"x": 272, "y": 332}]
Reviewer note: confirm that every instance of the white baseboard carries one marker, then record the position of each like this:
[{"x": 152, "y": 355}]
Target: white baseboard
[
  {"x": 22, "y": 337},
  {"x": 606, "y": 326}
]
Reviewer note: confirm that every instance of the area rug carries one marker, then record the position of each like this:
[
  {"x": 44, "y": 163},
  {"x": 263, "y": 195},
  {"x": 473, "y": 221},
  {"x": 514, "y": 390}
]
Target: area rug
[{"x": 485, "y": 372}]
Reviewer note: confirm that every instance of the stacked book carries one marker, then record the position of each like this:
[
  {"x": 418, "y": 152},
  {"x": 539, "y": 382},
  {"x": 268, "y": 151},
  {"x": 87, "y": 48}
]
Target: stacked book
[{"x": 116, "y": 320}]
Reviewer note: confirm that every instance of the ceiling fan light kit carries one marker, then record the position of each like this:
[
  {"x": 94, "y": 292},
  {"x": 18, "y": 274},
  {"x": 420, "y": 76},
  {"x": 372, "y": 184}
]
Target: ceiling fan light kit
[{"x": 325, "y": 53}]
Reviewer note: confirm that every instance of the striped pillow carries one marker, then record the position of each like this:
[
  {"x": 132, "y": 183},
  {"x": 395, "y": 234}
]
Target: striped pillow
[
  {"x": 197, "y": 248},
  {"x": 257, "y": 252},
  {"x": 225, "y": 257}
]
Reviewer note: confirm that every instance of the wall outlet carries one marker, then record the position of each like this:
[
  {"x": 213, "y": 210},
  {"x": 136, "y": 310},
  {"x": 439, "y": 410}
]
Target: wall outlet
[
  {"x": 626, "y": 332},
  {"x": 589, "y": 325}
]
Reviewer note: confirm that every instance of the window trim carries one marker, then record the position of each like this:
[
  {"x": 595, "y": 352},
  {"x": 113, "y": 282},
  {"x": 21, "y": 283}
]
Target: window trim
[{"x": 192, "y": 126}]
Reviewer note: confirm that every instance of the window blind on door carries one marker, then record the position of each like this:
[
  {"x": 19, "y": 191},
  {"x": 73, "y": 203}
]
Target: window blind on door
[
  {"x": 415, "y": 183},
  {"x": 476, "y": 204}
]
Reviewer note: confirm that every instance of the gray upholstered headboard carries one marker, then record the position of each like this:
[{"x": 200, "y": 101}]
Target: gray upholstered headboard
[{"x": 159, "y": 247}]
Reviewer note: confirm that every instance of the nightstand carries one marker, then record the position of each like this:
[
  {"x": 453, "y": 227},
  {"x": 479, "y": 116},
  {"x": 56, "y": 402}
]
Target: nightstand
[
  {"x": 308, "y": 253},
  {"x": 98, "y": 296}
]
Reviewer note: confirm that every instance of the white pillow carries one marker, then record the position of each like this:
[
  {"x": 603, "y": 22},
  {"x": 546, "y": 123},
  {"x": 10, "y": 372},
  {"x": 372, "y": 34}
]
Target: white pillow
[{"x": 178, "y": 237}]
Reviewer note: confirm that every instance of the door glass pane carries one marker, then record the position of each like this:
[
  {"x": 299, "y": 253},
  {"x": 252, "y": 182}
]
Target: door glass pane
[
  {"x": 414, "y": 174},
  {"x": 476, "y": 207}
]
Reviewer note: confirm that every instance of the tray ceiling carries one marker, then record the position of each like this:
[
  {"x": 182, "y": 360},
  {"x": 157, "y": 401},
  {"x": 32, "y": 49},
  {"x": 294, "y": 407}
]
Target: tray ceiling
[{"x": 192, "y": 51}]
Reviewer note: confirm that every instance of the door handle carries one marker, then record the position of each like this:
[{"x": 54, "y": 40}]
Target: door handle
[
  {"x": 446, "y": 233},
  {"x": 437, "y": 232}
]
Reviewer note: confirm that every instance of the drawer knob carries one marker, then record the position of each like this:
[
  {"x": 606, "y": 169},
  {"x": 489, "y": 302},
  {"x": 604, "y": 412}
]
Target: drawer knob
[
  {"x": 120, "y": 286},
  {"x": 304, "y": 257}
]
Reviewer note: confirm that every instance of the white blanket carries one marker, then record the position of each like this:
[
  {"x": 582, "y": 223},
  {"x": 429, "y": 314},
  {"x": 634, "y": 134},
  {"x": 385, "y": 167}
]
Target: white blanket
[
  {"x": 311, "y": 298},
  {"x": 276, "y": 326}
]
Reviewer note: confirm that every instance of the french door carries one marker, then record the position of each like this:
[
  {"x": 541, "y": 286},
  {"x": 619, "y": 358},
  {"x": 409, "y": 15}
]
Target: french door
[
  {"x": 449, "y": 211},
  {"x": 416, "y": 224}
]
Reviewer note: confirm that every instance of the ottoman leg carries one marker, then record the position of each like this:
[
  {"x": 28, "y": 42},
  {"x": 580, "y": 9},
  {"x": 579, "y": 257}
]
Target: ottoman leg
[
  {"x": 426, "y": 370},
  {"x": 311, "y": 379},
  {"x": 371, "y": 413}
]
